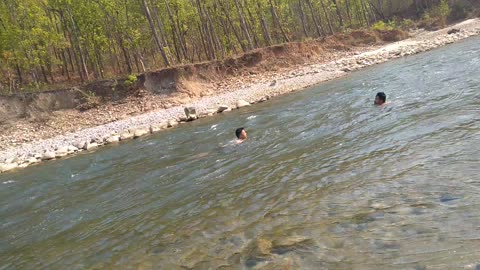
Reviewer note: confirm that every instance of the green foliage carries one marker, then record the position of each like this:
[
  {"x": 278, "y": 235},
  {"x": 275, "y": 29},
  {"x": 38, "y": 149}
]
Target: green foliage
[
  {"x": 438, "y": 13},
  {"x": 44, "y": 42},
  {"x": 407, "y": 24},
  {"x": 382, "y": 26},
  {"x": 131, "y": 79}
]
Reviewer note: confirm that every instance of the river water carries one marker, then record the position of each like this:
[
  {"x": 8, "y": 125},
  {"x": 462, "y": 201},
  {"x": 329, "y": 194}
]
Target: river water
[{"x": 325, "y": 181}]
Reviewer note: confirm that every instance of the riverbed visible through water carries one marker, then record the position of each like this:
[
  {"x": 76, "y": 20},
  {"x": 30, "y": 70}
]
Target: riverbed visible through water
[{"x": 325, "y": 181}]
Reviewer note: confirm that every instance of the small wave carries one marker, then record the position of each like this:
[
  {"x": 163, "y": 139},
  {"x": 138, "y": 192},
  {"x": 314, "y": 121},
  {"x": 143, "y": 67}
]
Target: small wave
[
  {"x": 8, "y": 182},
  {"x": 214, "y": 127},
  {"x": 251, "y": 117}
]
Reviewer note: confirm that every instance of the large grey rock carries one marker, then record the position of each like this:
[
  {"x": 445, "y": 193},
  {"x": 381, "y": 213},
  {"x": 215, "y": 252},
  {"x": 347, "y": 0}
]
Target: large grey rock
[
  {"x": 7, "y": 167},
  {"x": 90, "y": 146},
  {"x": 61, "y": 152},
  {"x": 32, "y": 160},
  {"x": 126, "y": 135},
  {"x": 158, "y": 127},
  {"x": 112, "y": 139},
  {"x": 72, "y": 149},
  {"x": 242, "y": 103},
  {"x": 172, "y": 123},
  {"x": 12, "y": 160},
  {"x": 140, "y": 132},
  {"x": 80, "y": 145},
  {"x": 48, "y": 155},
  {"x": 190, "y": 113},
  {"x": 223, "y": 108}
]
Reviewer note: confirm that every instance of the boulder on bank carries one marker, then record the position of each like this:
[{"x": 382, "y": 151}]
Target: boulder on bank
[
  {"x": 453, "y": 31},
  {"x": 90, "y": 146},
  {"x": 223, "y": 108},
  {"x": 61, "y": 152},
  {"x": 158, "y": 127},
  {"x": 140, "y": 132},
  {"x": 191, "y": 113},
  {"x": 32, "y": 160},
  {"x": 80, "y": 145},
  {"x": 7, "y": 167},
  {"x": 242, "y": 103},
  {"x": 48, "y": 155},
  {"x": 72, "y": 149},
  {"x": 112, "y": 139},
  {"x": 172, "y": 123},
  {"x": 126, "y": 135}
]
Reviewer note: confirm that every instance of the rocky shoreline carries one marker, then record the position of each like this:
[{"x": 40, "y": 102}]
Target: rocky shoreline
[{"x": 152, "y": 122}]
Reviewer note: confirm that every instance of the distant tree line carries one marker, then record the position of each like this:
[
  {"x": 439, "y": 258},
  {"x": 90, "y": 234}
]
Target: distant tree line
[{"x": 53, "y": 41}]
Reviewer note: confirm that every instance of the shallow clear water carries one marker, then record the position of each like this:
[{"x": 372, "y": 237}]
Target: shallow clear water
[{"x": 326, "y": 181}]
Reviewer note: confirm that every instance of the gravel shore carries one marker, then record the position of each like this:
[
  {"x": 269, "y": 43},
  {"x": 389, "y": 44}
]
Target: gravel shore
[{"x": 30, "y": 153}]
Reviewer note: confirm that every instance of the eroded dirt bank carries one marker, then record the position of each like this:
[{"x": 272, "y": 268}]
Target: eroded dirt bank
[{"x": 206, "y": 87}]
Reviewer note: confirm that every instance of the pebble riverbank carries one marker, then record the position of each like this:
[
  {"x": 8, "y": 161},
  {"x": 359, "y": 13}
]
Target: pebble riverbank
[{"x": 142, "y": 125}]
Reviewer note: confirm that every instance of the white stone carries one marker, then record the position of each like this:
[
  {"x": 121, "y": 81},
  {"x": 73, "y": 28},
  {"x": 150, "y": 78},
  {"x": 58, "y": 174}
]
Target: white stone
[
  {"x": 32, "y": 160},
  {"x": 48, "y": 155},
  {"x": 126, "y": 135},
  {"x": 158, "y": 127},
  {"x": 90, "y": 146},
  {"x": 140, "y": 132},
  {"x": 242, "y": 103},
  {"x": 222, "y": 108},
  {"x": 72, "y": 148},
  {"x": 7, "y": 167},
  {"x": 172, "y": 123},
  {"x": 80, "y": 145},
  {"x": 113, "y": 139}
]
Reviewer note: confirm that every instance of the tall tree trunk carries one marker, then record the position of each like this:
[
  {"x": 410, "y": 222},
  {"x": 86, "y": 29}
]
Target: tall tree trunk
[
  {"x": 155, "y": 34},
  {"x": 329, "y": 23},
  {"x": 244, "y": 25},
  {"x": 302, "y": 18},
  {"x": 339, "y": 13},
  {"x": 263, "y": 22},
  {"x": 318, "y": 27},
  {"x": 275, "y": 17}
]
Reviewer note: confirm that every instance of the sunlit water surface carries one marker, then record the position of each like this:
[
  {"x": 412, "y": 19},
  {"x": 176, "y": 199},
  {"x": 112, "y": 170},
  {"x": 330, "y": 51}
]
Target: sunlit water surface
[{"x": 326, "y": 181}]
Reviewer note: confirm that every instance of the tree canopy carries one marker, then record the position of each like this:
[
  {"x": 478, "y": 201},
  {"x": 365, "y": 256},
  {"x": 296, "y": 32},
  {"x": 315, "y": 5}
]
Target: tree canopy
[{"x": 54, "y": 41}]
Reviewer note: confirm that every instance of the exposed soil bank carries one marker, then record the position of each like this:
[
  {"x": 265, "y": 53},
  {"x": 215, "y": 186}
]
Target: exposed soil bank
[{"x": 253, "y": 87}]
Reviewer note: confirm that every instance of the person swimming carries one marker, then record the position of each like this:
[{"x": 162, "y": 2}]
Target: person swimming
[
  {"x": 241, "y": 134},
  {"x": 380, "y": 99}
]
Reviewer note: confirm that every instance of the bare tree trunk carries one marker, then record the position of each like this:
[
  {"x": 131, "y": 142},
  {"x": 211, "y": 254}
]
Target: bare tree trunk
[
  {"x": 155, "y": 34},
  {"x": 244, "y": 25},
  {"x": 339, "y": 14},
  {"x": 320, "y": 31},
  {"x": 275, "y": 17},
  {"x": 302, "y": 18},
  {"x": 263, "y": 22},
  {"x": 329, "y": 23}
]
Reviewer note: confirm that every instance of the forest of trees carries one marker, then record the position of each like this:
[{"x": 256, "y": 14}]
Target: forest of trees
[{"x": 55, "y": 41}]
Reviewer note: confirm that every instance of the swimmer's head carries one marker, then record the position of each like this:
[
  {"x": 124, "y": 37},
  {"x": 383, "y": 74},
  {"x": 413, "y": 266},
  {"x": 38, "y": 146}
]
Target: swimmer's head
[
  {"x": 380, "y": 98},
  {"x": 241, "y": 133}
]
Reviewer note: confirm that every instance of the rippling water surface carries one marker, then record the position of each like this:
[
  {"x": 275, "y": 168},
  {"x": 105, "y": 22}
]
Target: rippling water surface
[{"x": 326, "y": 181}]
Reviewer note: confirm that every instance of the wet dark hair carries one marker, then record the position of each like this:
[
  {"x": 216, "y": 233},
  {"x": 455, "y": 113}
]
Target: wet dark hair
[
  {"x": 382, "y": 96},
  {"x": 238, "y": 132}
]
